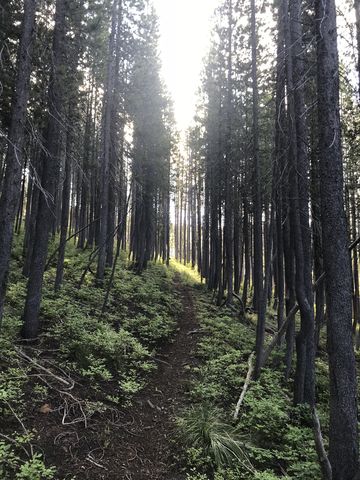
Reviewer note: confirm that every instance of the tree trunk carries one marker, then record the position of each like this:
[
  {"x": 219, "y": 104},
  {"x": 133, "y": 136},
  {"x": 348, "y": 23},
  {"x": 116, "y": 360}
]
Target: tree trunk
[
  {"x": 106, "y": 147},
  {"x": 258, "y": 247},
  {"x": 343, "y": 433},
  {"x": 12, "y": 181},
  {"x": 304, "y": 385},
  {"x": 50, "y": 158}
]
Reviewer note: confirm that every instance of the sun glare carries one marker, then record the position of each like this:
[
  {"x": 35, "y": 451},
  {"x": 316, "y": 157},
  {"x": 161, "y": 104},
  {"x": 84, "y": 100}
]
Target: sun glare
[{"x": 185, "y": 27}]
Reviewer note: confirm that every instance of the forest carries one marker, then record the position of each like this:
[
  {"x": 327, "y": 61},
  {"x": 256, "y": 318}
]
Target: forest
[{"x": 179, "y": 304}]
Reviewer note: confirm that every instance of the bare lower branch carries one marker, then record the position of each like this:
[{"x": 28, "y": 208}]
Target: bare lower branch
[{"x": 246, "y": 385}]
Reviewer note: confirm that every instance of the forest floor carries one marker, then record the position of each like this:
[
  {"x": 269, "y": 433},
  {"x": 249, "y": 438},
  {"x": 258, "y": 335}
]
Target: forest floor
[
  {"x": 77, "y": 430},
  {"x": 147, "y": 389},
  {"x": 146, "y": 448}
]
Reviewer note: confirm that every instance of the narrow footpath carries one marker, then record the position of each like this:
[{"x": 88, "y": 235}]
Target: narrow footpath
[{"x": 146, "y": 448}]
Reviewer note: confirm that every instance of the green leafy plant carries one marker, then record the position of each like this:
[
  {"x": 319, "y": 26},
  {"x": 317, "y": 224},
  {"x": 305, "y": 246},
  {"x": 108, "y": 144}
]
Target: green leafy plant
[
  {"x": 35, "y": 469},
  {"x": 12, "y": 466}
]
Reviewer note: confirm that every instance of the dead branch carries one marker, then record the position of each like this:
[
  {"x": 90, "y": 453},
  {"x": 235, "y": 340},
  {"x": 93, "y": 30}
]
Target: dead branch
[
  {"x": 120, "y": 228},
  {"x": 320, "y": 448},
  {"x": 61, "y": 435},
  {"x": 69, "y": 383},
  {"x": 91, "y": 460},
  {"x": 246, "y": 385},
  {"x": 25, "y": 430},
  {"x": 193, "y": 332},
  {"x": 354, "y": 244},
  {"x": 279, "y": 333},
  {"x": 68, "y": 408}
]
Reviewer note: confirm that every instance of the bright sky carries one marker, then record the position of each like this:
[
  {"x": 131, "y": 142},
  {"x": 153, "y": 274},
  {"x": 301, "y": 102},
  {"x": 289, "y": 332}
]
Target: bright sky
[{"x": 185, "y": 27}]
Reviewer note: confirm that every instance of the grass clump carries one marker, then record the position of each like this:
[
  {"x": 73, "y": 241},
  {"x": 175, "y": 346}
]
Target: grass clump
[{"x": 215, "y": 444}]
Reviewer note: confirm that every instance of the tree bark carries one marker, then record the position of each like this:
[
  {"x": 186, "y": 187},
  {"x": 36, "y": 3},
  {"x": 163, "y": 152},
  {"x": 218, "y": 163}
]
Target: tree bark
[
  {"x": 14, "y": 157},
  {"x": 343, "y": 432},
  {"x": 50, "y": 159}
]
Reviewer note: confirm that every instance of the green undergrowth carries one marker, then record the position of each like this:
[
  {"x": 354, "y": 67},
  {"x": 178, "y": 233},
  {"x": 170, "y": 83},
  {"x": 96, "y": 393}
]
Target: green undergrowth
[
  {"x": 108, "y": 355},
  {"x": 271, "y": 438}
]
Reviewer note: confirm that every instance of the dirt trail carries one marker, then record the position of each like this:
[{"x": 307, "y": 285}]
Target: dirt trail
[
  {"x": 135, "y": 443},
  {"x": 145, "y": 450}
]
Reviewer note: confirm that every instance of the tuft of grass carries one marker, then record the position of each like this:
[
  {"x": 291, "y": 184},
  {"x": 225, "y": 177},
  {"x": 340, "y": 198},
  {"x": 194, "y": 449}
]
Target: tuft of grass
[{"x": 203, "y": 428}]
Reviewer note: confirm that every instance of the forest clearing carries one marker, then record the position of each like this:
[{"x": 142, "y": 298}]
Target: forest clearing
[{"x": 179, "y": 239}]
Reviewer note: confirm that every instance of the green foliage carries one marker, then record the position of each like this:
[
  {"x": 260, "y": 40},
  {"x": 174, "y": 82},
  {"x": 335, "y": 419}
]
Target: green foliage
[
  {"x": 299, "y": 454},
  {"x": 12, "y": 381},
  {"x": 109, "y": 353},
  {"x": 117, "y": 343},
  {"x": 85, "y": 340},
  {"x": 196, "y": 476},
  {"x": 231, "y": 474},
  {"x": 280, "y": 436},
  {"x": 189, "y": 276},
  {"x": 130, "y": 386},
  {"x": 15, "y": 294},
  {"x": 96, "y": 369},
  {"x": 202, "y": 427},
  {"x": 266, "y": 411},
  {"x": 266, "y": 475},
  {"x": 151, "y": 327},
  {"x": 223, "y": 352},
  {"x": 35, "y": 469},
  {"x": 12, "y": 466}
]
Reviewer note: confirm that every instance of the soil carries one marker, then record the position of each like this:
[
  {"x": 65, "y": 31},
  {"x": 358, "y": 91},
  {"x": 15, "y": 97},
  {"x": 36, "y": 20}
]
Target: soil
[{"x": 138, "y": 443}]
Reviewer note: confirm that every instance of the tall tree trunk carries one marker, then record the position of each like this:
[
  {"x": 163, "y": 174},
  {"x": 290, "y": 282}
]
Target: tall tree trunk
[
  {"x": 247, "y": 261},
  {"x": 65, "y": 208},
  {"x": 229, "y": 187},
  {"x": 356, "y": 293},
  {"x": 50, "y": 158},
  {"x": 357, "y": 16},
  {"x": 106, "y": 147},
  {"x": 12, "y": 181},
  {"x": 258, "y": 244},
  {"x": 343, "y": 432},
  {"x": 304, "y": 386}
]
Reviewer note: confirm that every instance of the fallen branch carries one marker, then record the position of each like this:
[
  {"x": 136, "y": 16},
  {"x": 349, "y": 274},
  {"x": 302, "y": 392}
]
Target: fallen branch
[
  {"x": 161, "y": 361},
  {"x": 25, "y": 430},
  {"x": 246, "y": 385},
  {"x": 121, "y": 227},
  {"x": 67, "y": 409},
  {"x": 68, "y": 383},
  {"x": 93, "y": 255},
  {"x": 90, "y": 459},
  {"x": 197, "y": 330},
  {"x": 320, "y": 448},
  {"x": 279, "y": 333}
]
